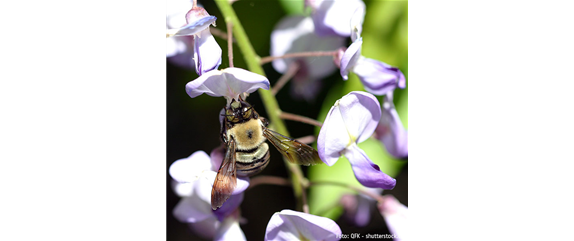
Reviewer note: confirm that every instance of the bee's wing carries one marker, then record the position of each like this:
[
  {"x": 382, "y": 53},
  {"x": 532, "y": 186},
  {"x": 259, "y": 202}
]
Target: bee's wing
[
  {"x": 226, "y": 178},
  {"x": 295, "y": 151}
]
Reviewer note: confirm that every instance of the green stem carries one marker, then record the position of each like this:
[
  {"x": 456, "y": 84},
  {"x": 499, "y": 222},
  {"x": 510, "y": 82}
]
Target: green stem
[{"x": 271, "y": 106}]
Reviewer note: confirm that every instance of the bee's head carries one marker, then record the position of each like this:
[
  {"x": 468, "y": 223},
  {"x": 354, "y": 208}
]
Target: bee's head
[{"x": 239, "y": 111}]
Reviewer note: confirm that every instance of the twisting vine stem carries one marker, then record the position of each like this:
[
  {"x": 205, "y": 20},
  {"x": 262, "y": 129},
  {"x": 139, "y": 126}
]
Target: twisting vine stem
[{"x": 269, "y": 101}]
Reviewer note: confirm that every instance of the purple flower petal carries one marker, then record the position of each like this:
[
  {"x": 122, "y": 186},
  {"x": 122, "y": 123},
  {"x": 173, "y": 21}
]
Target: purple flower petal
[
  {"x": 350, "y": 58},
  {"x": 304, "y": 86},
  {"x": 290, "y": 225},
  {"x": 363, "y": 215},
  {"x": 390, "y": 130},
  {"x": 334, "y": 17},
  {"x": 283, "y": 39},
  {"x": 357, "y": 209},
  {"x": 196, "y": 207},
  {"x": 207, "y": 53},
  {"x": 179, "y": 50},
  {"x": 217, "y": 157},
  {"x": 395, "y": 215},
  {"x": 228, "y": 206},
  {"x": 230, "y": 83},
  {"x": 377, "y": 77},
  {"x": 296, "y": 34},
  {"x": 205, "y": 228},
  {"x": 196, "y": 26},
  {"x": 367, "y": 172}
]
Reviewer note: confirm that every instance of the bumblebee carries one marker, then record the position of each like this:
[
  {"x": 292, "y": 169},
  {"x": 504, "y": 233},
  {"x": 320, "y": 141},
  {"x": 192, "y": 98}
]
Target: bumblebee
[{"x": 244, "y": 134}]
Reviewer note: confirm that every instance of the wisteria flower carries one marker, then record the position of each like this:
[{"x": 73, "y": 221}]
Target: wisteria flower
[
  {"x": 179, "y": 49},
  {"x": 295, "y": 34},
  {"x": 377, "y": 77},
  {"x": 229, "y": 230},
  {"x": 197, "y": 172},
  {"x": 390, "y": 130},
  {"x": 350, "y": 121},
  {"x": 206, "y": 51},
  {"x": 395, "y": 215},
  {"x": 195, "y": 208},
  {"x": 291, "y": 225},
  {"x": 333, "y": 17},
  {"x": 358, "y": 207},
  {"x": 229, "y": 83}
]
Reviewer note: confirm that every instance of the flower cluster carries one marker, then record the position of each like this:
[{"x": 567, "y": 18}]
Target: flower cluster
[
  {"x": 354, "y": 118},
  {"x": 206, "y": 51},
  {"x": 294, "y": 34},
  {"x": 193, "y": 177}
]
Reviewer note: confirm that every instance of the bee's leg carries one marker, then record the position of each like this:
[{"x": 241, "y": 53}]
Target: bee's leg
[{"x": 264, "y": 121}]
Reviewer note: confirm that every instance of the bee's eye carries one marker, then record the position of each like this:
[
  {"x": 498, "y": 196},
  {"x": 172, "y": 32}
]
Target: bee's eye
[
  {"x": 230, "y": 115},
  {"x": 246, "y": 112}
]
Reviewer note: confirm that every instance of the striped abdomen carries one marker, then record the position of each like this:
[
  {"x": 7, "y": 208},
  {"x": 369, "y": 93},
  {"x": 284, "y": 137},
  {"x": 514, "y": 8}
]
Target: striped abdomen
[{"x": 251, "y": 162}]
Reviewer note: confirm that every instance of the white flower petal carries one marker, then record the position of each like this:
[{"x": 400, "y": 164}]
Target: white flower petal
[
  {"x": 229, "y": 230},
  {"x": 173, "y": 47},
  {"x": 190, "y": 168},
  {"x": 334, "y": 17},
  {"x": 350, "y": 58},
  {"x": 230, "y": 83},
  {"x": 175, "y": 12},
  {"x": 182, "y": 189},
  {"x": 357, "y": 23},
  {"x": 361, "y": 113},
  {"x": 395, "y": 215},
  {"x": 333, "y": 137},
  {"x": 291, "y": 225},
  {"x": 193, "y": 208}
]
